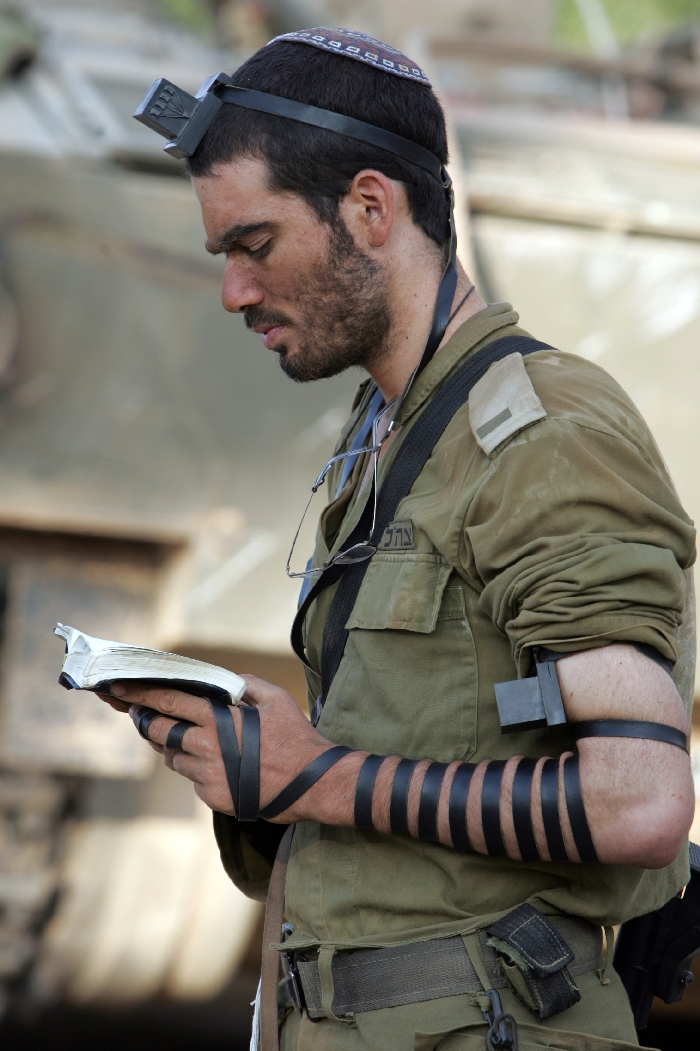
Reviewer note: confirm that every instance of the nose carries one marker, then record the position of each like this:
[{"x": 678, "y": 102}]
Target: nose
[{"x": 239, "y": 290}]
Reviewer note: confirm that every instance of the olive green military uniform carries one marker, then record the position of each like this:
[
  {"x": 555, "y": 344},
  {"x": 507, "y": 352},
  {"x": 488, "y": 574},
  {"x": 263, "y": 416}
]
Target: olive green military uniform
[{"x": 545, "y": 516}]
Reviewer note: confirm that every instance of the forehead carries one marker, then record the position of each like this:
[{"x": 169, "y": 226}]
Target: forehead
[{"x": 239, "y": 193}]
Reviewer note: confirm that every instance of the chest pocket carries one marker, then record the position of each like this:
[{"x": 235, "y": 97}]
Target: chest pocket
[
  {"x": 408, "y": 679},
  {"x": 402, "y": 592}
]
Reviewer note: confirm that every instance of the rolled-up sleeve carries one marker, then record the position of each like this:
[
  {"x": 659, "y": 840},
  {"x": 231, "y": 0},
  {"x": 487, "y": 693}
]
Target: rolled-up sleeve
[{"x": 576, "y": 537}]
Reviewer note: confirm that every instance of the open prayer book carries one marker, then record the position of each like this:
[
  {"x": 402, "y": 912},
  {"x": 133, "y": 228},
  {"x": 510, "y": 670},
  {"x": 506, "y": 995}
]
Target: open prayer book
[{"x": 93, "y": 664}]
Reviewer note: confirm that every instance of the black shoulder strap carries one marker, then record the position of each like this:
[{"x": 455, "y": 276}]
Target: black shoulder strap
[{"x": 410, "y": 460}]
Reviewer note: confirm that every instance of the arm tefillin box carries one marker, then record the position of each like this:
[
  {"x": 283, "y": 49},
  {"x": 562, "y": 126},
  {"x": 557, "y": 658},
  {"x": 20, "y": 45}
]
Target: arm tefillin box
[{"x": 534, "y": 702}]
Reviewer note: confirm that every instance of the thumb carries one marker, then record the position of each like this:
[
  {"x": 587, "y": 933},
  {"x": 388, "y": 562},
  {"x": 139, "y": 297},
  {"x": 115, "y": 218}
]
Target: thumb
[{"x": 263, "y": 694}]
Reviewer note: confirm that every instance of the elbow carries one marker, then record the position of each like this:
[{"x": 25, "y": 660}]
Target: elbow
[
  {"x": 664, "y": 849},
  {"x": 648, "y": 832},
  {"x": 656, "y": 833}
]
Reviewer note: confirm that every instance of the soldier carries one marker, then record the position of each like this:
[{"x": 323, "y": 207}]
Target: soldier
[{"x": 498, "y": 514}]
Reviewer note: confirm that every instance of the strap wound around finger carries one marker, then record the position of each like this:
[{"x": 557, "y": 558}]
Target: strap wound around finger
[
  {"x": 144, "y": 719},
  {"x": 173, "y": 742}
]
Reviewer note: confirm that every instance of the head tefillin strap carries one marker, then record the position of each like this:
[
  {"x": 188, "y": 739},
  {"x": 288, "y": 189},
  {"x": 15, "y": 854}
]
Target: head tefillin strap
[{"x": 184, "y": 120}]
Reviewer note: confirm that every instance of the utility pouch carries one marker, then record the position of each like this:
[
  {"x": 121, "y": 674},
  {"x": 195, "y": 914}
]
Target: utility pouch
[{"x": 536, "y": 960}]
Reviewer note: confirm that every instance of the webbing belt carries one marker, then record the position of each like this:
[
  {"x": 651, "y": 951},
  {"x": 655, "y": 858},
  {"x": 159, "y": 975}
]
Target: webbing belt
[
  {"x": 411, "y": 458},
  {"x": 374, "y": 979}
]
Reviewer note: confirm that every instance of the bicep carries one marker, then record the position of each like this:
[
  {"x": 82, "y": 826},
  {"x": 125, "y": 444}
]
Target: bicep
[
  {"x": 619, "y": 682},
  {"x": 638, "y": 793}
]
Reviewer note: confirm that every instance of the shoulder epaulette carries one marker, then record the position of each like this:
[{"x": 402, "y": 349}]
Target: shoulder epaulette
[{"x": 503, "y": 402}]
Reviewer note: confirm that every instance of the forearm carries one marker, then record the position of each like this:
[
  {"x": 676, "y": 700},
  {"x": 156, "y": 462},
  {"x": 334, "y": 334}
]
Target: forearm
[
  {"x": 621, "y": 800},
  {"x": 332, "y": 802},
  {"x": 638, "y": 794}
]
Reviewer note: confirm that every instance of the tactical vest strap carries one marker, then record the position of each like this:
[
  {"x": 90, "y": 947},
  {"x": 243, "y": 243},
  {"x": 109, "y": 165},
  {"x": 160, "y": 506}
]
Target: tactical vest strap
[{"x": 410, "y": 460}]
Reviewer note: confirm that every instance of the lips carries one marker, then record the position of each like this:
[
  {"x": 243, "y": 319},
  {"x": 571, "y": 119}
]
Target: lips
[{"x": 270, "y": 334}]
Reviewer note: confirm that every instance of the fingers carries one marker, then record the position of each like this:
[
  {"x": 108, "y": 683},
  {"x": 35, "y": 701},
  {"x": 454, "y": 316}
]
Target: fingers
[
  {"x": 173, "y": 703},
  {"x": 119, "y": 706},
  {"x": 262, "y": 693},
  {"x": 195, "y": 740}
]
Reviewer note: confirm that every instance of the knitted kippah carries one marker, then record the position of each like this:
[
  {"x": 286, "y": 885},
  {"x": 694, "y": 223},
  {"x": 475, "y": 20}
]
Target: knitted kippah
[{"x": 353, "y": 44}]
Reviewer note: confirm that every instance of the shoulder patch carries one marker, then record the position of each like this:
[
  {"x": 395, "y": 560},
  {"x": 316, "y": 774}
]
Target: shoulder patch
[{"x": 503, "y": 402}]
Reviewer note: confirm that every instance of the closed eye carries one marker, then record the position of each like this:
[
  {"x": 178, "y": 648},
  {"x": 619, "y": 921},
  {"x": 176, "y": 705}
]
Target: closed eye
[{"x": 260, "y": 253}]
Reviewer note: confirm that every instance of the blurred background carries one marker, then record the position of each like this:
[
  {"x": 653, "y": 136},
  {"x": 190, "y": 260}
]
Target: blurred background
[{"x": 154, "y": 460}]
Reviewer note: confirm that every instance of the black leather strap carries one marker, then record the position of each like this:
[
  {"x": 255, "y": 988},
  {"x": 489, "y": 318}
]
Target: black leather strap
[
  {"x": 230, "y": 752},
  {"x": 429, "y": 800},
  {"x": 459, "y": 790},
  {"x": 491, "y": 808},
  {"x": 364, "y": 790},
  {"x": 329, "y": 120},
  {"x": 549, "y": 793},
  {"x": 303, "y": 781},
  {"x": 398, "y": 807},
  {"x": 577, "y": 812},
  {"x": 445, "y": 297},
  {"x": 173, "y": 741},
  {"x": 638, "y": 728},
  {"x": 249, "y": 776},
  {"x": 144, "y": 719},
  {"x": 522, "y": 815}
]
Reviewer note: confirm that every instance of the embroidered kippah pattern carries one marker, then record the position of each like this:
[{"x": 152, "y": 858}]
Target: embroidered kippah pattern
[{"x": 353, "y": 44}]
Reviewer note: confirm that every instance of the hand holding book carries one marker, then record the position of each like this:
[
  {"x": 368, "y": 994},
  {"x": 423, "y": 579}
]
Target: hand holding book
[{"x": 206, "y": 697}]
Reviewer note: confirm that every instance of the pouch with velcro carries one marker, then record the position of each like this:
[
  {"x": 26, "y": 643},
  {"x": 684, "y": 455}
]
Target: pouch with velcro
[{"x": 535, "y": 959}]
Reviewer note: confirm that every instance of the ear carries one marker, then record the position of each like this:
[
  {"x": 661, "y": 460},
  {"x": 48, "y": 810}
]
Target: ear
[{"x": 369, "y": 208}]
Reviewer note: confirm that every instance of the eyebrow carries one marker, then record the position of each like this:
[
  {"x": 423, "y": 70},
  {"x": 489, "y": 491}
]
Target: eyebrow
[{"x": 231, "y": 237}]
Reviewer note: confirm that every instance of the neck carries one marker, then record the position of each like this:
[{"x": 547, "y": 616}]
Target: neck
[{"x": 414, "y": 304}]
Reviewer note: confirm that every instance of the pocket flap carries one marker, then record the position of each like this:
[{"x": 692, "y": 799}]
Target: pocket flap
[{"x": 404, "y": 592}]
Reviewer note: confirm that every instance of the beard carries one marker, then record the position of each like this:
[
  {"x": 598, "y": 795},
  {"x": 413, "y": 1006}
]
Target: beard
[{"x": 343, "y": 317}]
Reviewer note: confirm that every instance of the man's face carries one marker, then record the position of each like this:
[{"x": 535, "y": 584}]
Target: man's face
[{"x": 318, "y": 300}]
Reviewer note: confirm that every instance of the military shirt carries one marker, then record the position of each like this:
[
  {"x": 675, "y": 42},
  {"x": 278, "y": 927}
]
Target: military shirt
[{"x": 544, "y": 516}]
